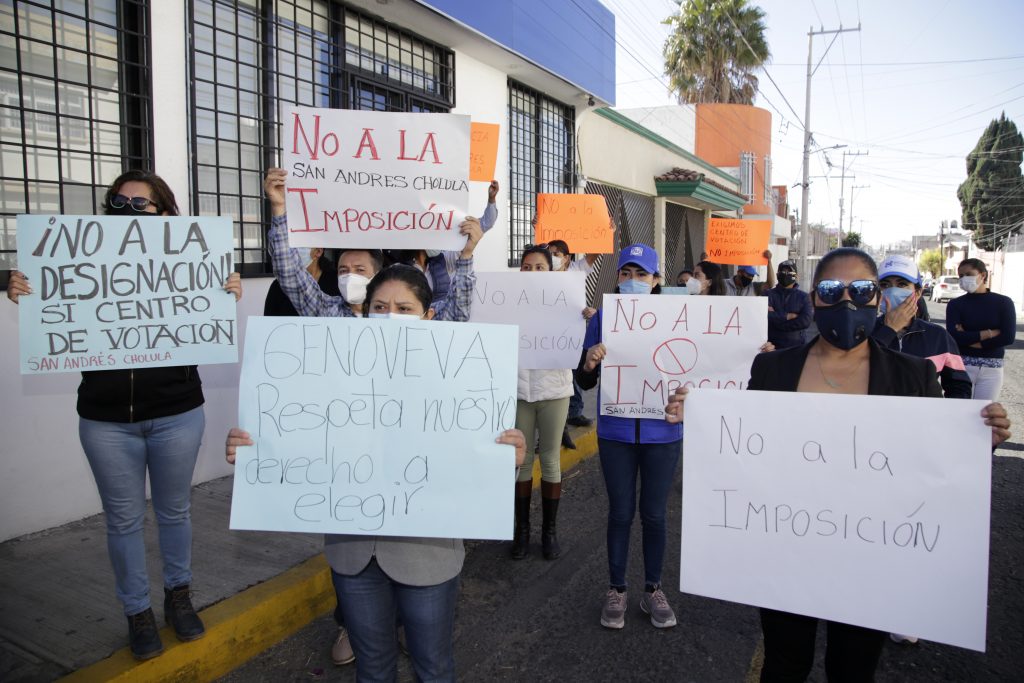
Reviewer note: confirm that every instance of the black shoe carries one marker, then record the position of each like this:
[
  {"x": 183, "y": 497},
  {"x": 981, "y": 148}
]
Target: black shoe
[
  {"x": 143, "y": 636},
  {"x": 579, "y": 421},
  {"x": 181, "y": 615},
  {"x": 521, "y": 534},
  {"x": 567, "y": 441},
  {"x": 548, "y": 537}
]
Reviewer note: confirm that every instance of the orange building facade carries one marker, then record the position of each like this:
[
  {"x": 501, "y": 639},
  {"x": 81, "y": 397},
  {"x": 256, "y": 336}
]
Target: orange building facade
[{"x": 739, "y": 136}]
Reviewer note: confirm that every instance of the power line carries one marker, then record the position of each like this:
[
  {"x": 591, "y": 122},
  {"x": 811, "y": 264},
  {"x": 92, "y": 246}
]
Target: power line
[{"x": 936, "y": 63}]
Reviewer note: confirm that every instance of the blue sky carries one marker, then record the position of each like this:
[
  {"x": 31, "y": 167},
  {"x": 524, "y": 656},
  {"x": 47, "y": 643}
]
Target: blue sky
[{"x": 914, "y": 88}]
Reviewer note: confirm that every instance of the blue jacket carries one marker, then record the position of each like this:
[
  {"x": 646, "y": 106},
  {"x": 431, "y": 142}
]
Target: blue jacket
[
  {"x": 931, "y": 342},
  {"x": 781, "y": 301},
  {"x": 624, "y": 429}
]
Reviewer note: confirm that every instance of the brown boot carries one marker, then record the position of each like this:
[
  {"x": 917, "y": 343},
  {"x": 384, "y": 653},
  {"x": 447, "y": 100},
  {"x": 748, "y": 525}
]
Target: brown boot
[
  {"x": 521, "y": 538},
  {"x": 550, "y": 493}
]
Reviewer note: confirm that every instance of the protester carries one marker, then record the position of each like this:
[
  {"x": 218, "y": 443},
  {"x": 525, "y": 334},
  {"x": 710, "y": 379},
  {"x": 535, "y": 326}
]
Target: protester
[
  {"x": 323, "y": 271},
  {"x": 683, "y": 277},
  {"x": 628, "y": 448},
  {"x": 789, "y": 309},
  {"x": 901, "y": 330},
  {"x": 563, "y": 260},
  {"x": 742, "y": 283},
  {"x": 138, "y": 421},
  {"x": 711, "y": 278},
  {"x": 983, "y": 324},
  {"x": 843, "y": 359},
  {"x": 541, "y": 409}
]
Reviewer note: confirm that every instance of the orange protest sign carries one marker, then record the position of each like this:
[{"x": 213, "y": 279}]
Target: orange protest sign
[
  {"x": 737, "y": 241},
  {"x": 581, "y": 220},
  {"x": 483, "y": 151}
]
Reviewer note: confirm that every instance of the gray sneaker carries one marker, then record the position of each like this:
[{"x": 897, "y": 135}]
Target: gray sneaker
[
  {"x": 656, "y": 604},
  {"x": 613, "y": 614}
]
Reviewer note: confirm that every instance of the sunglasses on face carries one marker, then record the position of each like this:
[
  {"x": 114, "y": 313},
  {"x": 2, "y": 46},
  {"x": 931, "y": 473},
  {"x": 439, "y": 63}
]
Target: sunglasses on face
[
  {"x": 140, "y": 204},
  {"x": 831, "y": 291}
]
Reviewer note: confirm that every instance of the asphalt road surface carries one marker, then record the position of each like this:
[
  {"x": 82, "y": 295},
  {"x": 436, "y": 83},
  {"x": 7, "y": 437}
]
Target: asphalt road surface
[{"x": 539, "y": 621}]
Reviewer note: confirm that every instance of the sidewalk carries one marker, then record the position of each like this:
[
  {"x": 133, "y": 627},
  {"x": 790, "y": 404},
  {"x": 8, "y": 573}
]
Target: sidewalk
[{"x": 59, "y": 614}]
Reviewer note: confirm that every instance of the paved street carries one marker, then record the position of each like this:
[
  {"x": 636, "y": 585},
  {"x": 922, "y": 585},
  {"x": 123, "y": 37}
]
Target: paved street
[{"x": 538, "y": 621}]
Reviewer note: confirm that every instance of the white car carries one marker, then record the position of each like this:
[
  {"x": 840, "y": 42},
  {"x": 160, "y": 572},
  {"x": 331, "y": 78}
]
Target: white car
[{"x": 946, "y": 287}]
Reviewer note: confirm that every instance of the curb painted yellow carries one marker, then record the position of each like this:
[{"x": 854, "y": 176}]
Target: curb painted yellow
[
  {"x": 237, "y": 629},
  {"x": 244, "y": 625}
]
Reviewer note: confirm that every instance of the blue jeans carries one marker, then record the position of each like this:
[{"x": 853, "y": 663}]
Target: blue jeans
[
  {"x": 576, "y": 400},
  {"x": 656, "y": 464},
  {"x": 119, "y": 454},
  {"x": 372, "y": 602}
]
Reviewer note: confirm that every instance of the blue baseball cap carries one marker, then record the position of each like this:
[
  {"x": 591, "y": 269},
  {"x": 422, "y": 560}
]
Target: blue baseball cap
[
  {"x": 640, "y": 255},
  {"x": 903, "y": 266},
  {"x": 749, "y": 270}
]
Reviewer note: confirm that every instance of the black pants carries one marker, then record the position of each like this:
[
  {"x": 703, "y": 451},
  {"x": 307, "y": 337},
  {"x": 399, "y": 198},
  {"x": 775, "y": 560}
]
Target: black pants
[{"x": 851, "y": 652}]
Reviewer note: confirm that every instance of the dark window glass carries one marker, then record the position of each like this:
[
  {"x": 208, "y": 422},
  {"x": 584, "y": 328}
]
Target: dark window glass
[{"x": 541, "y": 154}]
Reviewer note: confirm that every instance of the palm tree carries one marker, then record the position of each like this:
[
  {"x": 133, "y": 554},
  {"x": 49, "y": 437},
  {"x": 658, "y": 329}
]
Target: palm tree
[{"x": 713, "y": 51}]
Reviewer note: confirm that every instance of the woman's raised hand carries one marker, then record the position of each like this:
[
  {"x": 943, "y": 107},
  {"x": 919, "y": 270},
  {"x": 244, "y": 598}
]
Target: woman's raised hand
[{"x": 17, "y": 286}]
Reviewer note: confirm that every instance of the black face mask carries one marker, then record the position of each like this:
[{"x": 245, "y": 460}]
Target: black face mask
[
  {"x": 126, "y": 210},
  {"x": 786, "y": 278},
  {"x": 845, "y": 325},
  {"x": 745, "y": 280}
]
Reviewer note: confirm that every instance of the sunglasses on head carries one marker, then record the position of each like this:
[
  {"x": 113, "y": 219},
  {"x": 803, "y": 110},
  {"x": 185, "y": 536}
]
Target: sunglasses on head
[
  {"x": 140, "y": 204},
  {"x": 831, "y": 291},
  {"x": 543, "y": 245}
]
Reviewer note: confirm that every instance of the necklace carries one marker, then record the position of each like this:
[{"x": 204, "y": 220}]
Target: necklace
[{"x": 832, "y": 383}]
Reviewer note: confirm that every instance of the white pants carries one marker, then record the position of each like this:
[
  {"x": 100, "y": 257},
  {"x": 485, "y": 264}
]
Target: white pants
[{"x": 988, "y": 382}]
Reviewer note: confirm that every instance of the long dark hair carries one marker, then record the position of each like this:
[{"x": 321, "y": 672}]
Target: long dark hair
[
  {"x": 162, "y": 195},
  {"x": 409, "y": 275},
  {"x": 713, "y": 272}
]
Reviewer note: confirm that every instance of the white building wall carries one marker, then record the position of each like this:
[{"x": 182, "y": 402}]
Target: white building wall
[{"x": 677, "y": 124}]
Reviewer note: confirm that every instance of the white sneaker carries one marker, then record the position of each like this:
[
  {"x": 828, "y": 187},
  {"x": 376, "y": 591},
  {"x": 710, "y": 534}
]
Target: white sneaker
[
  {"x": 902, "y": 639},
  {"x": 341, "y": 651}
]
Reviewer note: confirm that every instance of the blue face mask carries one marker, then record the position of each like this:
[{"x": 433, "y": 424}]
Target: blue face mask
[
  {"x": 892, "y": 298},
  {"x": 634, "y": 286}
]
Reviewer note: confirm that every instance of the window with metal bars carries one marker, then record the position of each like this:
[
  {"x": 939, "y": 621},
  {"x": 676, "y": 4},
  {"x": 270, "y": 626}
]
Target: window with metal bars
[
  {"x": 252, "y": 59},
  {"x": 75, "y": 106},
  {"x": 541, "y": 156}
]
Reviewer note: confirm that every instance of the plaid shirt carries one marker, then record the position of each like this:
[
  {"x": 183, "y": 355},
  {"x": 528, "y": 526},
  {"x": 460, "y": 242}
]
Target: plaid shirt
[{"x": 309, "y": 300}]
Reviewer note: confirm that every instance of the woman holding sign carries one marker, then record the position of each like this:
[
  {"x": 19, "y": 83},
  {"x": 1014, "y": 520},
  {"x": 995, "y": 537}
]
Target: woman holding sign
[
  {"x": 844, "y": 359},
  {"x": 381, "y": 578},
  {"x": 711, "y": 279},
  {"x": 134, "y": 422},
  {"x": 632, "y": 448},
  {"x": 542, "y": 406}
]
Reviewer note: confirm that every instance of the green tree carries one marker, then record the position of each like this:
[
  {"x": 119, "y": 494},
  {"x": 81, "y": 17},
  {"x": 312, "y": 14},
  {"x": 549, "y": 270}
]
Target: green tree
[
  {"x": 851, "y": 239},
  {"x": 992, "y": 195},
  {"x": 713, "y": 50},
  {"x": 931, "y": 262}
]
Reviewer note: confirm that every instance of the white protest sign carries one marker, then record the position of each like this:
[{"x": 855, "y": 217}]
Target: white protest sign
[
  {"x": 656, "y": 344},
  {"x": 866, "y": 510},
  {"x": 114, "y": 292},
  {"x": 547, "y": 307},
  {"x": 361, "y": 179},
  {"x": 380, "y": 427}
]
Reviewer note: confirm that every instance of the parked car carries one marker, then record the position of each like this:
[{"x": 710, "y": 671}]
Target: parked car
[
  {"x": 927, "y": 287},
  {"x": 947, "y": 287}
]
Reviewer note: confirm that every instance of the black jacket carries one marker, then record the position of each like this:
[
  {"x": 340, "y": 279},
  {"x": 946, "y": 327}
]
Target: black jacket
[
  {"x": 891, "y": 373},
  {"x": 137, "y": 395}
]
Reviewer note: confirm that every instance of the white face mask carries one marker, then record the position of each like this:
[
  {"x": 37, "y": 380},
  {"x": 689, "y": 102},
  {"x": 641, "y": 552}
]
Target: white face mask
[
  {"x": 353, "y": 287},
  {"x": 396, "y": 316},
  {"x": 557, "y": 263},
  {"x": 693, "y": 285},
  {"x": 969, "y": 283},
  {"x": 431, "y": 253}
]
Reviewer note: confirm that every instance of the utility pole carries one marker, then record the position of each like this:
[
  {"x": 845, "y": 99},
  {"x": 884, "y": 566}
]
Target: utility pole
[
  {"x": 942, "y": 247},
  {"x": 807, "y": 137},
  {"x": 852, "y": 188},
  {"x": 842, "y": 180}
]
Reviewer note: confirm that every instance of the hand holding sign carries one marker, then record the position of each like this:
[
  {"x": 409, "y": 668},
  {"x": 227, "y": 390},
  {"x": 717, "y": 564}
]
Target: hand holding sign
[
  {"x": 738, "y": 241},
  {"x": 581, "y": 220}
]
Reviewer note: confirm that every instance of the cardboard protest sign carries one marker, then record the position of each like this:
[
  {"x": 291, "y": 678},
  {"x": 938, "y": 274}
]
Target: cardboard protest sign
[
  {"x": 846, "y": 513},
  {"x": 581, "y": 220},
  {"x": 379, "y": 427},
  {"x": 361, "y": 179},
  {"x": 483, "y": 150},
  {"x": 123, "y": 292},
  {"x": 656, "y": 344},
  {"x": 547, "y": 307},
  {"x": 738, "y": 241}
]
